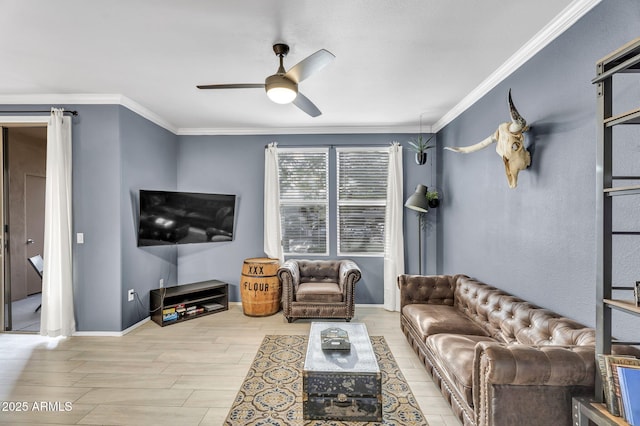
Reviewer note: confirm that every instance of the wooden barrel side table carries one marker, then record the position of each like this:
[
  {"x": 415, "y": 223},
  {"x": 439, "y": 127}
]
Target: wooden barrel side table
[{"x": 260, "y": 288}]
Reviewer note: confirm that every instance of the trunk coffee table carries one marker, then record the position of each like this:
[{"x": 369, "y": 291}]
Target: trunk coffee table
[{"x": 341, "y": 384}]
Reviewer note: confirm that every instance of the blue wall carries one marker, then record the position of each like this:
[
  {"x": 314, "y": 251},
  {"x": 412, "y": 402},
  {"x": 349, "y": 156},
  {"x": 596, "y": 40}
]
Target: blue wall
[
  {"x": 148, "y": 161},
  {"x": 537, "y": 241},
  {"x": 96, "y": 213},
  {"x": 115, "y": 153},
  {"x": 235, "y": 165}
]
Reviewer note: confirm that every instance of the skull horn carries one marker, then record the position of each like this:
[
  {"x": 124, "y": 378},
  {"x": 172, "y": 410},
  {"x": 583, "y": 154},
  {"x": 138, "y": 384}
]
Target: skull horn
[
  {"x": 473, "y": 148},
  {"x": 516, "y": 118}
]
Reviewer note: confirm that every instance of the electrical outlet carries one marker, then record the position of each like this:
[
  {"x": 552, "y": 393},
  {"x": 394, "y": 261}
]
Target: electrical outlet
[
  {"x": 161, "y": 282},
  {"x": 130, "y": 294}
]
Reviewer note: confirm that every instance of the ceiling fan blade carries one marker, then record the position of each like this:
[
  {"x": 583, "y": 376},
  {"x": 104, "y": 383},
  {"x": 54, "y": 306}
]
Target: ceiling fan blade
[
  {"x": 231, "y": 86},
  {"x": 302, "y": 102},
  {"x": 309, "y": 65}
]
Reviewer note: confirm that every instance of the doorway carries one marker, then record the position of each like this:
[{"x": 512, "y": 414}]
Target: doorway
[{"x": 23, "y": 193}]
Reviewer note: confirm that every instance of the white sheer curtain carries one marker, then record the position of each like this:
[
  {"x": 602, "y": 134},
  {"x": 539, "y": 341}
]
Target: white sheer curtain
[
  {"x": 272, "y": 225},
  {"x": 394, "y": 236},
  {"x": 57, "y": 316}
]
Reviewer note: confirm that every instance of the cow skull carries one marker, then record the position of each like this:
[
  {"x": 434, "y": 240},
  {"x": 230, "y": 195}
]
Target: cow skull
[{"x": 509, "y": 139}]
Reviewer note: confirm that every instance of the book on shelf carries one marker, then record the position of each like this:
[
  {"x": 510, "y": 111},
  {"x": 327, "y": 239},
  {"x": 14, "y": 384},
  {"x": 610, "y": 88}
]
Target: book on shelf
[
  {"x": 606, "y": 375},
  {"x": 212, "y": 306},
  {"x": 611, "y": 386},
  {"x": 602, "y": 369},
  {"x": 616, "y": 388},
  {"x": 629, "y": 379},
  {"x": 170, "y": 316}
]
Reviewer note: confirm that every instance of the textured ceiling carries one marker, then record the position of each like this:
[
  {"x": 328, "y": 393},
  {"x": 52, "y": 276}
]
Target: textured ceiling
[{"x": 398, "y": 63}]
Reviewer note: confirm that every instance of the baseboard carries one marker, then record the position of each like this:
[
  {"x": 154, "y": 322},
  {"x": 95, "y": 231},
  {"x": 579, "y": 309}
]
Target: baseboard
[
  {"x": 139, "y": 323},
  {"x": 368, "y": 305},
  {"x": 357, "y": 305},
  {"x": 110, "y": 333},
  {"x": 361, "y": 305}
]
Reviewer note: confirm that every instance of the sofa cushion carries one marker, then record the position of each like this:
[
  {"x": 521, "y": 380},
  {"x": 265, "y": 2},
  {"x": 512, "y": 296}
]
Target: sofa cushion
[
  {"x": 319, "y": 270},
  {"x": 543, "y": 327},
  {"x": 434, "y": 319},
  {"x": 454, "y": 356},
  {"x": 328, "y": 292}
]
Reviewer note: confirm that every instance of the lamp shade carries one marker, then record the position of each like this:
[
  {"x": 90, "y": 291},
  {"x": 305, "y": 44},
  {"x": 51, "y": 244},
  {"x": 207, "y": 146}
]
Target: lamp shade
[
  {"x": 418, "y": 201},
  {"x": 280, "y": 89}
]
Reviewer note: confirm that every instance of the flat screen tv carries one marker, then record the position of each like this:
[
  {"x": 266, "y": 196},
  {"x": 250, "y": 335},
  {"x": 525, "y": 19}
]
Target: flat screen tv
[{"x": 170, "y": 217}]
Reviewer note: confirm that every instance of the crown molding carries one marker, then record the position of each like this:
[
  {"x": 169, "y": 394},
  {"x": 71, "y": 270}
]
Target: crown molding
[
  {"x": 569, "y": 16},
  {"x": 118, "y": 99},
  {"x": 326, "y": 130},
  {"x": 148, "y": 114},
  {"x": 89, "y": 99}
]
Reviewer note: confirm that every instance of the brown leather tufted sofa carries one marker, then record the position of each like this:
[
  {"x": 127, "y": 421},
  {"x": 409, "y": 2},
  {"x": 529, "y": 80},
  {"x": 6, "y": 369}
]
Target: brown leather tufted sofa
[
  {"x": 318, "y": 288},
  {"x": 498, "y": 360}
]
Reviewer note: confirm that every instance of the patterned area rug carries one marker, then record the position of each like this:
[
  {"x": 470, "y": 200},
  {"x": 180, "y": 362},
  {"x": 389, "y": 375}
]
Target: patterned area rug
[{"x": 271, "y": 394}]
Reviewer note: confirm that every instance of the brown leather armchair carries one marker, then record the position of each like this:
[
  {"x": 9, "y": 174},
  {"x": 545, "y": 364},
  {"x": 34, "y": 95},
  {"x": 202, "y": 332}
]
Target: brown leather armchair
[{"x": 318, "y": 288}]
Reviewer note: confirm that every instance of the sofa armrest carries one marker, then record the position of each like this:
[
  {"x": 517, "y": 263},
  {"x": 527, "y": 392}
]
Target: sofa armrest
[
  {"x": 514, "y": 364},
  {"x": 513, "y": 381},
  {"x": 434, "y": 289}
]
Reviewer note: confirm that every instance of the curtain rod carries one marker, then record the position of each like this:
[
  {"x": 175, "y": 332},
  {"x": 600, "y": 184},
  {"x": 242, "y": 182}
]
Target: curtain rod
[{"x": 74, "y": 113}]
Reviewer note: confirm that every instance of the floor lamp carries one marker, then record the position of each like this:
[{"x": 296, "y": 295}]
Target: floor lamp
[{"x": 418, "y": 202}]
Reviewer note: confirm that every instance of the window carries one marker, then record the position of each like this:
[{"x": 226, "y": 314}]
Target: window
[
  {"x": 362, "y": 196},
  {"x": 304, "y": 200},
  {"x": 361, "y": 182}
]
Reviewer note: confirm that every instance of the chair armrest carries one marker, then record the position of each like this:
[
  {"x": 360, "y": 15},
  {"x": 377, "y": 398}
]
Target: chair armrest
[
  {"x": 349, "y": 273},
  {"x": 434, "y": 289},
  {"x": 289, "y": 274}
]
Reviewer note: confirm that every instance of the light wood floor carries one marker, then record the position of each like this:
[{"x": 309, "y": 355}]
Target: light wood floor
[{"x": 183, "y": 374}]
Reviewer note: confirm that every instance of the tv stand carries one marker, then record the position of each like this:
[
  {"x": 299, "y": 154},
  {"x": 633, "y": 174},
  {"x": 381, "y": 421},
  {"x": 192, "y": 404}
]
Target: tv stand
[{"x": 171, "y": 305}]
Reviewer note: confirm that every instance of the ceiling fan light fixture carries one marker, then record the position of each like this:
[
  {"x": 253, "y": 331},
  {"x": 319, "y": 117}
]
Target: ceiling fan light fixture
[{"x": 280, "y": 89}]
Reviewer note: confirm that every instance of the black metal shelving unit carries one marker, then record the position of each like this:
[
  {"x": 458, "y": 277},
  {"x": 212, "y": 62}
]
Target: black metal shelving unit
[{"x": 608, "y": 186}]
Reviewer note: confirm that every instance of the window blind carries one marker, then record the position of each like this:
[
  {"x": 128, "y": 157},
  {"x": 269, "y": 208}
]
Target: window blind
[
  {"x": 304, "y": 199},
  {"x": 362, "y": 193}
]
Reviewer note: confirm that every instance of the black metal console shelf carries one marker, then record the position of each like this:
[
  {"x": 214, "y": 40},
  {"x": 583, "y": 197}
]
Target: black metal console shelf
[{"x": 171, "y": 305}]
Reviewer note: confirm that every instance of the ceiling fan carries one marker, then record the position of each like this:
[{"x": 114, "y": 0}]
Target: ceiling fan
[{"x": 282, "y": 87}]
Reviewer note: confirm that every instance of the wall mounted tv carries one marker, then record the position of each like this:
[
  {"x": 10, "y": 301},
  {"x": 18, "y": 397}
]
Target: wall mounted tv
[{"x": 168, "y": 217}]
